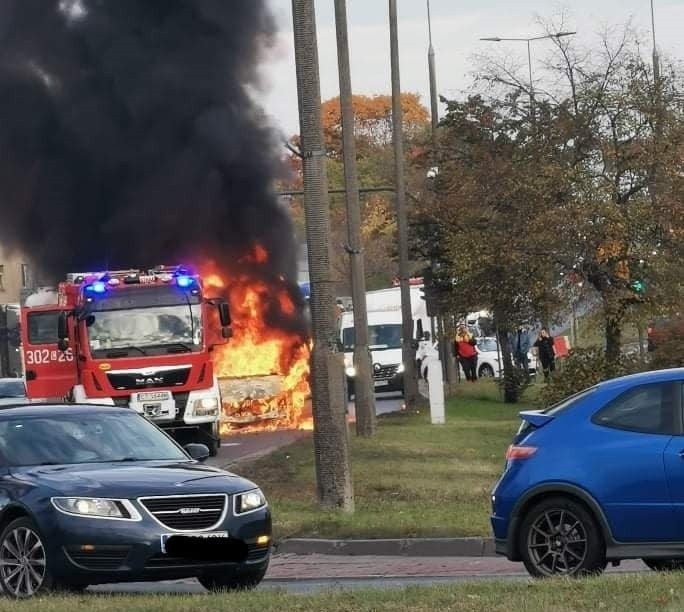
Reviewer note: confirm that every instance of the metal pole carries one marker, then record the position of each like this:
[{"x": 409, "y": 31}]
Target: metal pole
[
  {"x": 4, "y": 343},
  {"x": 330, "y": 436},
  {"x": 408, "y": 352},
  {"x": 364, "y": 393},
  {"x": 529, "y": 64},
  {"x": 434, "y": 108},
  {"x": 656, "y": 61}
]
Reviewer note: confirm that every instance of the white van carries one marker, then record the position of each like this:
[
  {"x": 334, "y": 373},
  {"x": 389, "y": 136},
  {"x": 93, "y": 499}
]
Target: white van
[{"x": 384, "y": 337}]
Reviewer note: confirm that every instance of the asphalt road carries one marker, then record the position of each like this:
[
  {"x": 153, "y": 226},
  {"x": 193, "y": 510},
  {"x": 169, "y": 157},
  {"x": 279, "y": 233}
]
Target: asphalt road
[{"x": 316, "y": 573}]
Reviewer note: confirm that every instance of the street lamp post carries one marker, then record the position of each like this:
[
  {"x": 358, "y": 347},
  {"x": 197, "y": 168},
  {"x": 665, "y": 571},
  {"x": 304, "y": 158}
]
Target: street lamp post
[
  {"x": 529, "y": 42},
  {"x": 434, "y": 108},
  {"x": 656, "y": 60},
  {"x": 408, "y": 352}
]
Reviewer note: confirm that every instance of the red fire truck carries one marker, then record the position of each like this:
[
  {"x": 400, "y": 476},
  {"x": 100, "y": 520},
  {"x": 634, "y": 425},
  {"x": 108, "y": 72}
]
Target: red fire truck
[{"x": 133, "y": 338}]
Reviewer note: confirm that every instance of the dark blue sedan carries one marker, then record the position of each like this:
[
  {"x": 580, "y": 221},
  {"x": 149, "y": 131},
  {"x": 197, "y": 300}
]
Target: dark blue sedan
[
  {"x": 597, "y": 478},
  {"x": 92, "y": 494}
]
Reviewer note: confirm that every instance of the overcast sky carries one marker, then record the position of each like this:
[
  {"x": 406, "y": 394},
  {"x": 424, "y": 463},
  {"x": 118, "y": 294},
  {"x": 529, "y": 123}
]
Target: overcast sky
[{"x": 457, "y": 26}]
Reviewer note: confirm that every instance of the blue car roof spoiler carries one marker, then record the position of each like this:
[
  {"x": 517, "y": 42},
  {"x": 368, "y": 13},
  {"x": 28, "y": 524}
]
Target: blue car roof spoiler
[{"x": 536, "y": 417}]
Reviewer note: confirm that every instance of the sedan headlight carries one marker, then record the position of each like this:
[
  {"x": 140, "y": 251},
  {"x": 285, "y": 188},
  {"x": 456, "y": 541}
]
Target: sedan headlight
[
  {"x": 96, "y": 507},
  {"x": 207, "y": 406},
  {"x": 249, "y": 501}
]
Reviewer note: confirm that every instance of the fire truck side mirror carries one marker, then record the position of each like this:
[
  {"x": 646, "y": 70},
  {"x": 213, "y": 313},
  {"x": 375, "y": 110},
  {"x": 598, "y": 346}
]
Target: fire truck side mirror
[
  {"x": 62, "y": 328},
  {"x": 224, "y": 314}
]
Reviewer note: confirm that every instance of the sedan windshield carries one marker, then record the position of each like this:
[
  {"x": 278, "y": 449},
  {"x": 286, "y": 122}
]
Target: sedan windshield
[{"x": 95, "y": 437}]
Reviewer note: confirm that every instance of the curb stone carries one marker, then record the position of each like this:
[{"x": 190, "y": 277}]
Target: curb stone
[{"x": 408, "y": 547}]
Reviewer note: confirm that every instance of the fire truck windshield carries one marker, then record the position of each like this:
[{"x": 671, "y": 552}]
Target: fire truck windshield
[{"x": 140, "y": 323}]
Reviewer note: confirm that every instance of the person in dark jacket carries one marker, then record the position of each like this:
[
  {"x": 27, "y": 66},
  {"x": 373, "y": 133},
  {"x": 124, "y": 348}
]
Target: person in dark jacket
[{"x": 546, "y": 352}]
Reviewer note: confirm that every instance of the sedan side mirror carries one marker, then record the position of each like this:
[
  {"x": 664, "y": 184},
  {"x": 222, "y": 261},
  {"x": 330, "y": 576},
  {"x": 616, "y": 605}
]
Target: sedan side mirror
[{"x": 199, "y": 452}]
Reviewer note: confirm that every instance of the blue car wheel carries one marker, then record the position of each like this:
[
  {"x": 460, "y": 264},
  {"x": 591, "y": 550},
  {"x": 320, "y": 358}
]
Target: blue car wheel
[{"x": 559, "y": 537}]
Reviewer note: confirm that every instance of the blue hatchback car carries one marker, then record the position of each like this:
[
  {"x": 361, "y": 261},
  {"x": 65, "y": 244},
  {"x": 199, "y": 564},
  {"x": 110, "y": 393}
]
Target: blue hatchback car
[{"x": 597, "y": 478}]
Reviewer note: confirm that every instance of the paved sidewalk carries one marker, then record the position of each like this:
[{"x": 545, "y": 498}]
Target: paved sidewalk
[{"x": 320, "y": 567}]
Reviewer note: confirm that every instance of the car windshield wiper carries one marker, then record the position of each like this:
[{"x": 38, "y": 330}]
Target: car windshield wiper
[
  {"x": 125, "y": 349},
  {"x": 178, "y": 345}
]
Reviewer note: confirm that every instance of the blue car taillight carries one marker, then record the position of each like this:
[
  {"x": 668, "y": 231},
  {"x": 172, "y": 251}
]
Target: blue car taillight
[{"x": 515, "y": 452}]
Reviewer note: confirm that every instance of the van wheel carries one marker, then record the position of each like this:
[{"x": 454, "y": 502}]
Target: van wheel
[{"x": 559, "y": 537}]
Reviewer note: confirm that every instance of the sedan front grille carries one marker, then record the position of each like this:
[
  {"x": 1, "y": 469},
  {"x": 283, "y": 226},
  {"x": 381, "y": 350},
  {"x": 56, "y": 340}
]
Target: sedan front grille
[{"x": 187, "y": 512}]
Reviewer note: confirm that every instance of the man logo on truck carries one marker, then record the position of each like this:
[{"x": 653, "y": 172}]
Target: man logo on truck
[{"x": 146, "y": 382}]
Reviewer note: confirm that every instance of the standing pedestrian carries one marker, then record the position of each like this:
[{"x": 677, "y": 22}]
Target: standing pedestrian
[
  {"x": 465, "y": 346},
  {"x": 546, "y": 352},
  {"x": 520, "y": 346}
]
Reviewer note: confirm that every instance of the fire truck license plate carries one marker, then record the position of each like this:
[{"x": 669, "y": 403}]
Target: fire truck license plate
[{"x": 158, "y": 396}]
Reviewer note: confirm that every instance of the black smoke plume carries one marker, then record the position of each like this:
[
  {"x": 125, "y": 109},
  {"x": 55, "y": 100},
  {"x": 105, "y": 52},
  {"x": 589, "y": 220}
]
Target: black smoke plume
[{"x": 128, "y": 137}]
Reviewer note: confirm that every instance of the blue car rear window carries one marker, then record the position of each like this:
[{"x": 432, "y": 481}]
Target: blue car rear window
[{"x": 568, "y": 402}]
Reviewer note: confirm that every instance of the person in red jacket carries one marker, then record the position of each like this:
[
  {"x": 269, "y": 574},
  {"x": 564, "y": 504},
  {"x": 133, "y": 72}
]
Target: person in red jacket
[{"x": 465, "y": 346}]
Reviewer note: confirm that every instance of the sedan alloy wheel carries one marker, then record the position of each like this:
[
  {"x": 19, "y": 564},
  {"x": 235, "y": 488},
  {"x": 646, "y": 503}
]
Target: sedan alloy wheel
[{"x": 23, "y": 561}]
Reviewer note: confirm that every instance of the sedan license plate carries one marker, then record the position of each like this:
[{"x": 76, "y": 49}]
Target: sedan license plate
[
  {"x": 155, "y": 396},
  {"x": 223, "y": 535},
  {"x": 381, "y": 383}
]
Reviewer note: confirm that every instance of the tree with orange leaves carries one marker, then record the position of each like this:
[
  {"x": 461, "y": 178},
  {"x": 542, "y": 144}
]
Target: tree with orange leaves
[{"x": 373, "y": 129}]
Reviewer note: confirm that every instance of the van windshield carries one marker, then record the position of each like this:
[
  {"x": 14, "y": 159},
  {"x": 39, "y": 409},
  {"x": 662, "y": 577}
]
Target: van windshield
[{"x": 380, "y": 337}]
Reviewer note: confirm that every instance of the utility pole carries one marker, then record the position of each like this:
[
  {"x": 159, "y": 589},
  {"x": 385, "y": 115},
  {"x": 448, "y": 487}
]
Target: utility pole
[
  {"x": 448, "y": 366},
  {"x": 330, "y": 436},
  {"x": 364, "y": 392},
  {"x": 656, "y": 59},
  {"x": 434, "y": 108},
  {"x": 408, "y": 351}
]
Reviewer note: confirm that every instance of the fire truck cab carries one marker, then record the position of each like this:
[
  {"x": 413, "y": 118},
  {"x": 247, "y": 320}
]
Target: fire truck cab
[{"x": 141, "y": 339}]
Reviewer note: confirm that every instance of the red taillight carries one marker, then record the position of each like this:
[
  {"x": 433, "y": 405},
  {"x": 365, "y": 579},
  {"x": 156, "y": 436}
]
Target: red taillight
[{"x": 520, "y": 452}]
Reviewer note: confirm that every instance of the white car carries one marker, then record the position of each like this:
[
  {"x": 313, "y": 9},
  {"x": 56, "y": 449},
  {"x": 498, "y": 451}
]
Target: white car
[
  {"x": 488, "y": 363},
  {"x": 12, "y": 391}
]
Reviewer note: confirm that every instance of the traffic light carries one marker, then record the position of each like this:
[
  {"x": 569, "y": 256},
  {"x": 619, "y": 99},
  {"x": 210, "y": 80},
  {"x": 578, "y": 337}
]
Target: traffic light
[{"x": 638, "y": 286}]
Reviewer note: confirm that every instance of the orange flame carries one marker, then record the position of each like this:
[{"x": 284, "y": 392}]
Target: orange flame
[{"x": 263, "y": 371}]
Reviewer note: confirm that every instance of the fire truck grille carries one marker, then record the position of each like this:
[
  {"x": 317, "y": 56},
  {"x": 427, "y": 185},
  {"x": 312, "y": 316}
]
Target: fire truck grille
[
  {"x": 187, "y": 512},
  {"x": 140, "y": 380}
]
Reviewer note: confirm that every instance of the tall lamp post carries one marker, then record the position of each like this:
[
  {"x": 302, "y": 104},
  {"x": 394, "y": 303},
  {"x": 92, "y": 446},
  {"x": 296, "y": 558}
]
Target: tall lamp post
[
  {"x": 434, "y": 108},
  {"x": 529, "y": 42},
  {"x": 408, "y": 352},
  {"x": 656, "y": 60}
]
